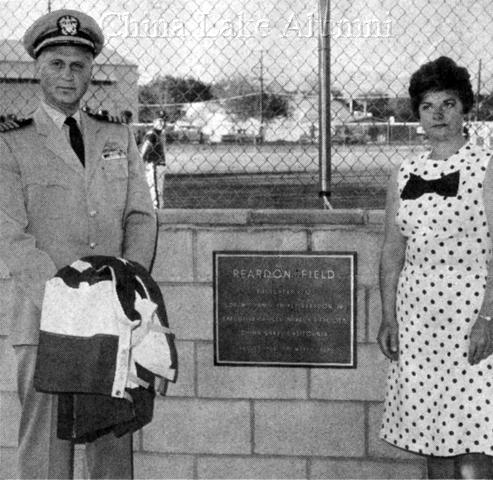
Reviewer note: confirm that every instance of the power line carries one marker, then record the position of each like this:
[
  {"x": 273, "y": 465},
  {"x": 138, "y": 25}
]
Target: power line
[{"x": 223, "y": 99}]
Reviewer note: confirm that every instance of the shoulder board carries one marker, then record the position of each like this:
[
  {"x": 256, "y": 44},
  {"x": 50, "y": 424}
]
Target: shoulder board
[
  {"x": 103, "y": 118},
  {"x": 9, "y": 125}
]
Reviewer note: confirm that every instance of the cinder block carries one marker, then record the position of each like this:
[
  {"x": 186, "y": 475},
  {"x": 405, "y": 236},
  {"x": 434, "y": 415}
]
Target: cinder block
[
  {"x": 365, "y": 242},
  {"x": 308, "y": 217},
  {"x": 8, "y": 366},
  {"x": 364, "y": 469},
  {"x": 250, "y": 467},
  {"x": 376, "y": 217},
  {"x": 374, "y": 313},
  {"x": 189, "y": 309},
  {"x": 378, "y": 447},
  {"x": 199, "y": 426},
  {"x": 309, "y": 428},
  {"x": 201, "y": 216},
  {"x": 8, "y": 463},
  {"x": 184, "y": 386},
  {"x": 366, "y": 382},
  {"x": 10, "y": 414},
  {"x": 162, "y": 466},
  {"x": 251, "y": 382},
  {"x": 248, "y": 239},
  {"x": 7, "y": 302},
  {"x": 174, "y": 256}
]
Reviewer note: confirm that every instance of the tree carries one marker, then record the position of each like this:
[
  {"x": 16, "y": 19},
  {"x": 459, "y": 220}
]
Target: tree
[
  {"x": 245, "y": 99},
  {"x": 171, "y": 90},
  {"x": 336, "y": 93},
  {"x": 378, "y": 104},
  {"x": 485, "y": 108},
  {"x": 402, "y": 109},
  {"x": 275, "y": 105}
]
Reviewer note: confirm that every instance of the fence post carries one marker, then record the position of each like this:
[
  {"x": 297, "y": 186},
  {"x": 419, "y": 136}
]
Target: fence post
[{"x": 324, "y": 102}]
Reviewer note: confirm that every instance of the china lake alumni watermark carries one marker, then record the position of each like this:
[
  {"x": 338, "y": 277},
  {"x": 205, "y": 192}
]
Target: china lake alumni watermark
[{"x": 209, "y": 25}]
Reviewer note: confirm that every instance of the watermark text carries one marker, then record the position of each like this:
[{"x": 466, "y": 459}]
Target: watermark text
[{"x": 209, "y": 25}]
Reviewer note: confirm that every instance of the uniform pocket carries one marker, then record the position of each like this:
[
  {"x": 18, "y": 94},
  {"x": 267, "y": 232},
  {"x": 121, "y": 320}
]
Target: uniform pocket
[
  {"x": 115, "y": 169},
  {"x": 116, "y": 179}
]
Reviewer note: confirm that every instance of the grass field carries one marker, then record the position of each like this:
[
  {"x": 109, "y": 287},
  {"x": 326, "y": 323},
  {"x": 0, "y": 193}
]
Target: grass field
[{"x": 276, "y": 176}]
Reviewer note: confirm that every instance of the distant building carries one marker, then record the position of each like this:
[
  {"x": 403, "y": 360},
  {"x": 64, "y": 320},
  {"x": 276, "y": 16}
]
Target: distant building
[
  {"x": 301, "y": 124},
  {"x": 113, "y": 88},
  {"x": 305, "y": 109},
  {"x": 211, "y": 118}
]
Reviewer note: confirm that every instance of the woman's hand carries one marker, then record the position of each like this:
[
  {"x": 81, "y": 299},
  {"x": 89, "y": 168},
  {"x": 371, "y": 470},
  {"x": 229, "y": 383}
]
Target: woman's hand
[
  {"x": 388, "y": 339},
  {"x": 391, "y": 263},
  {"x": 481, "y": 341}
]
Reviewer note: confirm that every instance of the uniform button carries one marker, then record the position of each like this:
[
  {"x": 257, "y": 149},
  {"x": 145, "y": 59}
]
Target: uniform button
[
  {"x": 92, "y": 213},
  {"x": 92, "y": 244}
]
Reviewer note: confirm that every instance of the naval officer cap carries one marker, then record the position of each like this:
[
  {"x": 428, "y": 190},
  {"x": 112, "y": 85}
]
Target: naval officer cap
[{"x": 63, "y": 27}]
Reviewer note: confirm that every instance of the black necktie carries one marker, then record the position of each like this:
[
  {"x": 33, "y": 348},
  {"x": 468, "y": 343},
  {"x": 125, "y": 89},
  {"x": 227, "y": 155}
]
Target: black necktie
[
  {"x": 416, "y": 186},
  {"x": 75, "y": 138}
]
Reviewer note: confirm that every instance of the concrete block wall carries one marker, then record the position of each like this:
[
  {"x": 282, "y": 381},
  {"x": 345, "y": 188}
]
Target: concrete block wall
[{"x": 252, "y": 422}]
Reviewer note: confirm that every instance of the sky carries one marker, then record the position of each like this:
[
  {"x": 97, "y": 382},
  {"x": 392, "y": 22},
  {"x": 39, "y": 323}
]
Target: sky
[{"x": 375, "y": 45}]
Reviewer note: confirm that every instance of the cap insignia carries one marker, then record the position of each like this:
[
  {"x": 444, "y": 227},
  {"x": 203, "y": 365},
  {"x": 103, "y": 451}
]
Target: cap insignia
[{"x": 68, "y": 25}]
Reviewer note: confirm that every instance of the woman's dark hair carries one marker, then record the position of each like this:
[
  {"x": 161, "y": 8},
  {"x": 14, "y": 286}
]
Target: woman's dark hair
[{"x": 439, "y": 75}]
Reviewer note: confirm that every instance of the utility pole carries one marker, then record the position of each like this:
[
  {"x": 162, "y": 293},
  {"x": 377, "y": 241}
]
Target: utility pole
[
  {"x": 478, "y": 90},
  {"x": 165, "y": 97},
  {"x": 261, "y": 96},
  {"x": 49, "y": 6}
]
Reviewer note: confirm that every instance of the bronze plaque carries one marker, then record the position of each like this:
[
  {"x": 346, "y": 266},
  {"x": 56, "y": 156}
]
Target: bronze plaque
[{"x": 285, "y": 309}]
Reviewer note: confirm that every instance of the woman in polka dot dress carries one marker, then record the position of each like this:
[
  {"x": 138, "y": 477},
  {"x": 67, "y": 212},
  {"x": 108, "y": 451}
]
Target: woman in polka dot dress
[{"x": 436, "y": 282}]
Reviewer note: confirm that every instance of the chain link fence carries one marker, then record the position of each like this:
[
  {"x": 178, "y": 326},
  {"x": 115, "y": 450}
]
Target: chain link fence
[
  {"x": 238, "y": 85},
  {"x": 371, "y": 64}
]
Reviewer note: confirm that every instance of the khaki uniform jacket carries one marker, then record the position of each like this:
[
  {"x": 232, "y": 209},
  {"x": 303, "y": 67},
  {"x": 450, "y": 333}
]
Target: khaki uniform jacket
[{"x": 54, "y": 211}]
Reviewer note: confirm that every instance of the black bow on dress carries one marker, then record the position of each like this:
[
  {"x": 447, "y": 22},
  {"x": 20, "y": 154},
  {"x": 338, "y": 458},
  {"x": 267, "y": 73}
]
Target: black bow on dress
[{"x": 416, "y": 186}]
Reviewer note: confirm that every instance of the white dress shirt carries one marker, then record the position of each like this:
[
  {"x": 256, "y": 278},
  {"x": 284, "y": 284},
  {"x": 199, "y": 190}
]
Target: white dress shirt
[{"x": 59, "y": 119}]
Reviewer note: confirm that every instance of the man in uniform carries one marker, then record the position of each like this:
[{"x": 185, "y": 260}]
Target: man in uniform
[{"x": 72, "y": 184}]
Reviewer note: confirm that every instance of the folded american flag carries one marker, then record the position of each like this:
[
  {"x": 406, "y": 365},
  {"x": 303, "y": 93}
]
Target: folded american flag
[{"x": 104, "y": 331}]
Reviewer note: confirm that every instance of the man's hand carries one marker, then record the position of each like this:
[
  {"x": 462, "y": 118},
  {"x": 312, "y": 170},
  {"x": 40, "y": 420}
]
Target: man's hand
[
  {"x": 388, "y": 339},
  {"x": 481, "y": 341}
]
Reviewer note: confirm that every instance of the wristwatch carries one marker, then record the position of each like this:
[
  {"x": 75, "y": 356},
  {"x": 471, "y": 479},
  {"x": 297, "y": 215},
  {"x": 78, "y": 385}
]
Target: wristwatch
[{"x": 488, "y": 318}]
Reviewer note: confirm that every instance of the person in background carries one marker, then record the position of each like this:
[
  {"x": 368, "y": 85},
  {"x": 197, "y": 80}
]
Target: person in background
[
  {"x": 72, "y": 184},
  {"x": 152, "y": 151},
  {"x": 127, "y": 117},
  {"x": 436, "y": 281}
]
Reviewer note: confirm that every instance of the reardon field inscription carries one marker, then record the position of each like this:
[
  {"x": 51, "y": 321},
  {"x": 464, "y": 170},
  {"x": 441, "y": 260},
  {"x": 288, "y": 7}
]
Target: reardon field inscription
[{"x": 284, "y": 308}]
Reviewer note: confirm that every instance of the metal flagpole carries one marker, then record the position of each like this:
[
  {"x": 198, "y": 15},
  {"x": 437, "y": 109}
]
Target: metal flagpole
[{"x": 324, "y": 104}]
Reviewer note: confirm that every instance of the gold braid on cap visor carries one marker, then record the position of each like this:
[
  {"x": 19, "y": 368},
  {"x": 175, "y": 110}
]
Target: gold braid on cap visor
[{"x": 58, "y": 39}]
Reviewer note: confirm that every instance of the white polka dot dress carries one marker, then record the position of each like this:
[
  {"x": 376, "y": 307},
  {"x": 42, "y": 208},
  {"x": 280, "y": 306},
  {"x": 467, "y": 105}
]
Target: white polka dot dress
[{"x": 436, "y": 402}]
